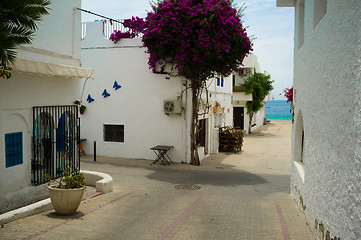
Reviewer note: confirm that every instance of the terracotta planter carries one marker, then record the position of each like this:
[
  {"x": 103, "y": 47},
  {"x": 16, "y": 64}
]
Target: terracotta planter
[{"x": 65, "y": 201}]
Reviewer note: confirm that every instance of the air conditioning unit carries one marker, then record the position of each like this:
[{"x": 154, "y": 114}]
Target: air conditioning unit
[{"x": 172, "y": 107}]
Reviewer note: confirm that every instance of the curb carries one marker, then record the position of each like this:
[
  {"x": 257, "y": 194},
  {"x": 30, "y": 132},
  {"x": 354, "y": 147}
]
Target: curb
[
  {"x": 32, "y": 209},
  {"x": 103, "y": 183}
]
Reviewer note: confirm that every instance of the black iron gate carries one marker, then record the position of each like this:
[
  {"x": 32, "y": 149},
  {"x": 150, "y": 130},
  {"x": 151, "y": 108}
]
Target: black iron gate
[{"x": 55, "y": 141}]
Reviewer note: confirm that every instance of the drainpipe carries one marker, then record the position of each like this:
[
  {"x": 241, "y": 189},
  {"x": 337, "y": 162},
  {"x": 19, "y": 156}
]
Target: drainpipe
[
  {"x": 184, "y": 130},
  {"x": 95, "y": 151}
]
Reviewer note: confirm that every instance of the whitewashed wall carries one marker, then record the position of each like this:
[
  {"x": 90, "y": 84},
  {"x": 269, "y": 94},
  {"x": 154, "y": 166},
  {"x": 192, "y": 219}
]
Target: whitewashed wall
[
  {"x": 327, "y": 90},
  {"x": 250, "y": 64},
  {"x": 138, "y": 104},
  {"x": 23, "y": 91},
  {"x": 220, "y": 97},
  {"x": 58, "y": 37}
]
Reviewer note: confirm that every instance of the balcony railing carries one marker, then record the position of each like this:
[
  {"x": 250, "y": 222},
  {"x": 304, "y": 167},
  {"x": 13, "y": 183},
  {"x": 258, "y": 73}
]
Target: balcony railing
[
  {"x": 108, "y": 28},
  {"x": 239, "y": 89}
]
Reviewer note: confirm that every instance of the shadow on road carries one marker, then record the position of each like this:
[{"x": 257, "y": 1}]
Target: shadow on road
[{"x": 217, "y": 177}]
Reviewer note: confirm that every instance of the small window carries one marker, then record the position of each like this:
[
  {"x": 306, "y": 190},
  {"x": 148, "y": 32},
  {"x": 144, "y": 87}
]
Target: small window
[
  {"x": 218, "y": 81},
  {"x": 13, "y": 149},
  {"x": 234, "y": 80},
  {"x": 113, "y": 133},
  {"x": 222, "y": 82},
  {"x": 319, "y": 11}
]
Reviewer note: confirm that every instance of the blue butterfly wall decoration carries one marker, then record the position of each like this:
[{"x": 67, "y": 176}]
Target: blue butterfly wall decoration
[
  {"x": 116, "y": 86},
  {"x": 90, "y": 99},
  {"x": 105, "y": 94}
]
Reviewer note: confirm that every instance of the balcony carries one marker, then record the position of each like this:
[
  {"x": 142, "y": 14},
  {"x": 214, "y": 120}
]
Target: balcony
[
  {"x": 239, "y": 89},
  {"x": 239, "y": 96}
]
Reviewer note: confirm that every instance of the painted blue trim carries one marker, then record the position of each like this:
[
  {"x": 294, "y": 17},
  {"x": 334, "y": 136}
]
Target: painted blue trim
[
  {"x": 218, "y": 81},
  {"x": 61, "y": 133},
  {"x": 13, "y": 149},
  {"x": 222, "y": 82}
]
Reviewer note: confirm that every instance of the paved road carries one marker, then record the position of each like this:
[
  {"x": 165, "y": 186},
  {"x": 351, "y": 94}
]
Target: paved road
[{"x": 241, "y": 196}]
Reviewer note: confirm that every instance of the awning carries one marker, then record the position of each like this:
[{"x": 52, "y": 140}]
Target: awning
[{"x": 51, "y": 69}]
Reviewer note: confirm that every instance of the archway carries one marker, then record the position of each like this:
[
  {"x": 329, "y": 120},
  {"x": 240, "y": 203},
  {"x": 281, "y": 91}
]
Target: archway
[
  {"x": 65, "y": 142},
  {"x": 42, "y": 141},
  {"x": 299, "y": 139}
]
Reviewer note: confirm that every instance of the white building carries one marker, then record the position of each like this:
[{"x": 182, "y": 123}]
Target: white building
[
  {"x": 240, "y": 116},
  {"x": 129, "y": 99},
  {"x": 34, "y": 139},
  {"x": 326, "y": 148}
]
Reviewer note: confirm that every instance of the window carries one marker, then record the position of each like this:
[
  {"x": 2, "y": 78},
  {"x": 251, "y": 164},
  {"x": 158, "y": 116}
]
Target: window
[
  {"x": 113, "y": 133},
  {"x": 301, "y": 23},
  {"x": 299, "y": 144},
  {"x": 222, "y": 82},
  {"x": 218, "y": 81},
  {"x": 234, "y": 80},
  {"x": 13, "y": 149},
  {"x": 319, "y": 11}
]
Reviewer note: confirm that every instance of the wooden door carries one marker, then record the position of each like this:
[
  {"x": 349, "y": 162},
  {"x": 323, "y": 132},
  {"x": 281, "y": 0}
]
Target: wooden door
[{"x": 238, "y": 117}]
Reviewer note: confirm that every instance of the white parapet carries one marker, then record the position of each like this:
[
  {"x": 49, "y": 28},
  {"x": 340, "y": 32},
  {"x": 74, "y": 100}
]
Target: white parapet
[{"x": 101, "y": 181}]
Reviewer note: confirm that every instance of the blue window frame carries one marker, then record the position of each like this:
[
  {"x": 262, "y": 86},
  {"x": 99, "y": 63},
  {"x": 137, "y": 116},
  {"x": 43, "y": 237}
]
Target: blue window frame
[
  {"x": 218, "y": 81},
  {"x": 61, "y": 133},
  {"x": 222, "y": 82},
  {"x": 13, "y": 149}
]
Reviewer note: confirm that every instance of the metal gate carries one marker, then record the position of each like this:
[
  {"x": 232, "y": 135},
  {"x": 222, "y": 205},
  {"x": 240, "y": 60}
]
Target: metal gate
[{"x": 55, "y": 141}]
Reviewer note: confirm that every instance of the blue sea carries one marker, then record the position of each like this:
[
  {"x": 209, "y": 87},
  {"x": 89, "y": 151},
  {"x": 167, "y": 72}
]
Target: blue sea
[{"x": 278, "y": 110}]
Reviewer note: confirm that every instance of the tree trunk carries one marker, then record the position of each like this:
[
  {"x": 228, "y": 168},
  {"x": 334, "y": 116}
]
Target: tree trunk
[
  {"x": 194, "y": 128},
  {"x": 250, "y": 122}
]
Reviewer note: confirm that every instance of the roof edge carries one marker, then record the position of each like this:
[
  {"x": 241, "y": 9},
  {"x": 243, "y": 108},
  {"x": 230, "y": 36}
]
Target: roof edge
[{"x": 285, "y": 3}]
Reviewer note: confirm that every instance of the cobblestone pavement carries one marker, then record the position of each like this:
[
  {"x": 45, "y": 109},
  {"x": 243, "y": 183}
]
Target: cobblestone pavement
[{"x": 231, "y": 203}]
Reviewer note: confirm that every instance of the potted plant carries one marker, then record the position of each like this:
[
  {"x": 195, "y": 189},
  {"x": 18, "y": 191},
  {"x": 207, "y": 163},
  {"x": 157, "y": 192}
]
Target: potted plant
[
  {"x": 67, "y": 192},
  {"x": 82, "y": 109}
]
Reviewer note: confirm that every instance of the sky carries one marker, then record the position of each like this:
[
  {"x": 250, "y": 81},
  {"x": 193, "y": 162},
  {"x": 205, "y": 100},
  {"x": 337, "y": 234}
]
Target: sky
[{"x": 273, "y": 28}]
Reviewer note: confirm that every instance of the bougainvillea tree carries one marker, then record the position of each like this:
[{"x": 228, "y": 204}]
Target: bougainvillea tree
[
  {"x": 135, "y": 25},
  {"x": 288, "y": 93},
  {"x": 200, "y": 38}
]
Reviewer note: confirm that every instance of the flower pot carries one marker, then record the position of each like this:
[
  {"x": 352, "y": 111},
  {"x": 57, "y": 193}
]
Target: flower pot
[{"x": 65, "y": 201}]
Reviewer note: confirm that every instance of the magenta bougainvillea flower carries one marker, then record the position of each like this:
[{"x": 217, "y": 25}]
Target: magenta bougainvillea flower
[
  {"x": 136, "y": 26},
  {"x": 117, "y": 35},
  {"x": 200, "y": 37},
  {"x": 288, "y": 93},
  {"x": 206, "y": 35}
]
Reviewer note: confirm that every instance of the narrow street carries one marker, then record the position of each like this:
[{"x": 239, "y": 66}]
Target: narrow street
[{"x": 241, "y": 196}]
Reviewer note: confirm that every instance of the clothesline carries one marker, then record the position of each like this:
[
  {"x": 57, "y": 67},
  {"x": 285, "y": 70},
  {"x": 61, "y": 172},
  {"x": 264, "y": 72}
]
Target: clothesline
[{"x": 96, "y": 14}]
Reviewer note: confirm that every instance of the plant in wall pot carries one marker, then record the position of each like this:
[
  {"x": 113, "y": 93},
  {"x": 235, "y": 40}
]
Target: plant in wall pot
[
  {"x": 66, "y": 192},
  {"x": 82, "y": 109}
]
